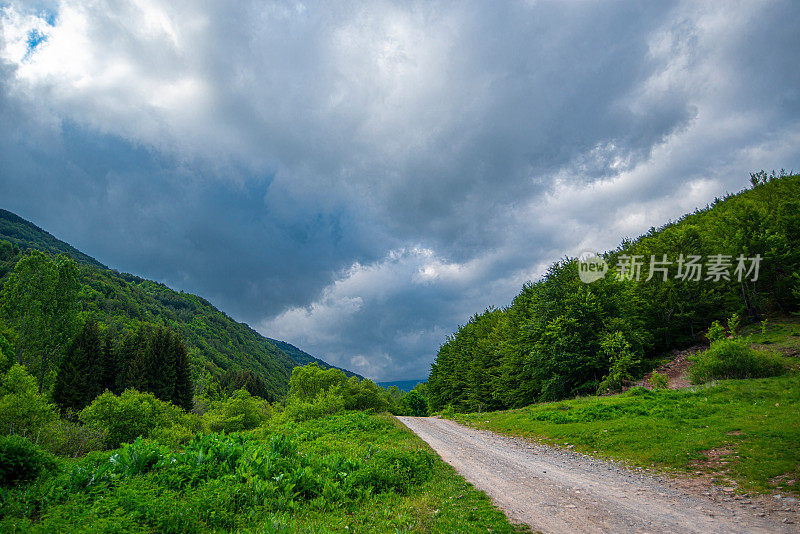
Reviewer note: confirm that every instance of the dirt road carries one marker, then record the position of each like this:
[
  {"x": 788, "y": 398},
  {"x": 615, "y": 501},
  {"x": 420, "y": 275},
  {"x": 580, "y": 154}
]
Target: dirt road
[{"x": 556, "y": 490}]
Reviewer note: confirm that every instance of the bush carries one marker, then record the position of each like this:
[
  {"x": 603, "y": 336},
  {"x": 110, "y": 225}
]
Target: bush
[
  {"x": 715, "y": 332},
  {"x": 448, "y": 412},
  {"x": 326, "y": 403},
  {"x": 658, "y": 381},
  {"x": 413, "y": 403},
  {"x": 241, "y": 411},
  {"x": 23, "y": 410},
  {"x": 733, "y": 358},
  {"x": 315, "y": 392},
  {"x": 21, "y": 460},
  {"x": 71, "y": 439},
  {"x": 132, "y": 414},
  {"x": 616, "y": 348},
  {"x": 393, "y": 471},
  {"x": 362, "y": 395}
]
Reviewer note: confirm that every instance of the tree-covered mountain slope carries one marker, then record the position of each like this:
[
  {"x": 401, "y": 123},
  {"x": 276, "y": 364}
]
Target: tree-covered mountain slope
[
  {"x": 304, "y": 358},
  {"x": 562, "y": 337},
  {"x": 218, "y": 346},
  {"x": 26, "y": 235}
]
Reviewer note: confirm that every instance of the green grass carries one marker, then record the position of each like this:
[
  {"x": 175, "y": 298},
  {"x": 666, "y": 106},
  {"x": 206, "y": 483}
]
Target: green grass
[
  {"x": 352, "y": 472},
  {"x": 753, "y": 424},
  {"x": 782, "y": 334},
  {"x": 745, "y": 432}
]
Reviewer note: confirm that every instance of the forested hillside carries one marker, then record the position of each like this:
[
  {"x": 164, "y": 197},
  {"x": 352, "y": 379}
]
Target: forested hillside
[
  {"x": 561, "y": 337},
  {"x": 220, "y": 349},
  {"x": 26, "y": 235},
  {"x": 304, "y": 358}
]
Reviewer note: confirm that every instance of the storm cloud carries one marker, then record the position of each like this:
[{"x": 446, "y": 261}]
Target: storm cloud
[{"x": 360, "y": 178}]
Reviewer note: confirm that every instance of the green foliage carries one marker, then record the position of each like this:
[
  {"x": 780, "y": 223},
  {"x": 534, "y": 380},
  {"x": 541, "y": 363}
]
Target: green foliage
[
  {"x": 123, "y": 302},
  {"x": 39, "y": 301},
  {"x": 303, "y": 358},
  {"x": 241, "y": 411},
  {"x": 734, "y": 322},
  {"x": 393, "y": 471},
  {"x": 316, "y": 392},
  {"x": 448, "y": 412},
  {"x": 72, "y": 439},
  {"x": 23, "y": 410},
  {"x": 757, "y": 420},
  {"x": 6, "y": 350},
  {"x": 414, "y": 404},
  {"x": 310, "y": 380},
  {"x": 80, "y": 372},
  {"x": 548, "y": 343},
  {"x": 19, "y": 234},
  {"x": 349, "y": 472},
  {"x": 325, "y": 403},
  {"x": 658, "y": 381},
  {"x": 733, "y": 358},
  {"x": 618, "y": 351},
  {"x": 22, "y": 461},
  {"x": 132, "y": 414},
  {"x": 715, "y": 332}
]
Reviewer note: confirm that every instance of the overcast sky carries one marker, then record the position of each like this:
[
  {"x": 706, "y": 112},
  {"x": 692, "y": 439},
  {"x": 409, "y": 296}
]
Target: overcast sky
[{"x": 358, "y": 178}]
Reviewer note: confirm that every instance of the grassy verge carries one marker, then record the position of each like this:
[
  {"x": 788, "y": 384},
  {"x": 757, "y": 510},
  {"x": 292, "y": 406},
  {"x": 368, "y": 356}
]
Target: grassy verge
[
  {"x": 351, "y": 472},
  {"x": 745, "y": 432}
]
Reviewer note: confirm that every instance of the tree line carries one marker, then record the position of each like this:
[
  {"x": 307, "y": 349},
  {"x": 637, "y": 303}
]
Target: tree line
[
  {"x": 149, "y": 359},
  {"x": 561, "y": 337}
]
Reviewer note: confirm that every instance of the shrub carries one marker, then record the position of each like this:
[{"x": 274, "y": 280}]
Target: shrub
[
  {"x": 393, "y": 471},
  {"x": 733, "y": 358},
  {"x": 23, "y": 410},
  {"x": 308, "y": 381},
  {"x": 362, "y": 395},
  {"x": 659, "y": 381},
  {"x": 715, "y": 332},
  {"x": 733, "y": 324},
  {"x": 241, "y": 411},
  {"x": 132, "y": 414},
  {"x": 326, "y": 403},
  {"x": 68, "y": 438},
  {"x": 448, "y": 412},
  {"x": 174, "y": 435},
  {"x": 413, "y": 403},
  {"x": 21, "y": 460},
  {"x": 615, "y": 347}
]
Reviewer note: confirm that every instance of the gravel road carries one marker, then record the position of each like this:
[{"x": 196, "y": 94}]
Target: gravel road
[{"x": 556, "y": 490}]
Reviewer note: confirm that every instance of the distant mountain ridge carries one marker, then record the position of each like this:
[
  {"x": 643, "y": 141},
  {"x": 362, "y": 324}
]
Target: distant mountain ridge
[
  {"x": 217, "y": 344},
  {"x": 26, "y": 235},
  {"x": 402, "y": 385},
  {"x": 304, "y": 358}
]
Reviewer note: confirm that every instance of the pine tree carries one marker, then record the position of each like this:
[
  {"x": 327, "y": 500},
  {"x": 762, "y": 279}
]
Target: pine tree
[
  {"x": 161, "y": 371},
  {"x": 134, "y": 361},
  {"x": 78, "y": 378},
  {"x": 182, "y": 393},
  {"x": 109, "y": 368}
]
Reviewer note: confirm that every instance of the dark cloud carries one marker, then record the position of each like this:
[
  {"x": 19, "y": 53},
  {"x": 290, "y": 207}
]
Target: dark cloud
[{"x": 358, "y": 179}]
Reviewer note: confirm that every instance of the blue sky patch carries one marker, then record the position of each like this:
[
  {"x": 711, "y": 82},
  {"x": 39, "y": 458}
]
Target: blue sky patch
[{"x": 35, "y": 38}]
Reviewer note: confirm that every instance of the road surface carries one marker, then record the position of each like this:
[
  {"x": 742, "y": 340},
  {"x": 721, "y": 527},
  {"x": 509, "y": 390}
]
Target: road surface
[{"x": 555, "y": 490}]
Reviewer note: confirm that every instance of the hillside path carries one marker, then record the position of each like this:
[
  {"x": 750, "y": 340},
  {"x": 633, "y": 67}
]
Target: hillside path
[{"x": 555, "y": 490}]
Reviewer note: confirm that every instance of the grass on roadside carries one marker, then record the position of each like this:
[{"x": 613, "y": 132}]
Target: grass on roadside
[
  {"x": 351, "y": 472},
  {"x": 746, "y": 431}
]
